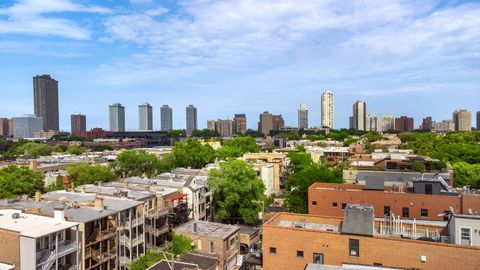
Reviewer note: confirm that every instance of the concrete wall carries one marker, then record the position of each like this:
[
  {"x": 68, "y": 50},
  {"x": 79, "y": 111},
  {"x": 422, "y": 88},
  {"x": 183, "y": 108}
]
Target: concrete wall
[
  {"x": 28, "y": 253},
  {"x": 10, "y": 248}
]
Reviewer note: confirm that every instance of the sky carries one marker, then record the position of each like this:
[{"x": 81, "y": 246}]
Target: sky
[{"x": 414, "y": 58}]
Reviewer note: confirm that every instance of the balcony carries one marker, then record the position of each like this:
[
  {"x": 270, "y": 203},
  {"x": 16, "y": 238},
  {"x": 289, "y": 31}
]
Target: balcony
[
  {"x": 50, "y": 256},
  {"x": 106, "y": 234},
  {"x": 100, "y": 257},
  {"x": 153, "y": 213},
  {"x": 157, "y": 231},
  {"x": 123, "y": 260},
  {"x": 135, "y": 241},
  {"x": 133, "y": 223}
]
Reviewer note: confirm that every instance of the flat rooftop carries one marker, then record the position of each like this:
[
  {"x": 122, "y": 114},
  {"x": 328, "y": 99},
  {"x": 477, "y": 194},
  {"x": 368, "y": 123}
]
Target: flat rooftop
[
  {"x": 208, "y": 229},
  {"x": 113, "y": 204},
  {"x": 30, "y": 225}
]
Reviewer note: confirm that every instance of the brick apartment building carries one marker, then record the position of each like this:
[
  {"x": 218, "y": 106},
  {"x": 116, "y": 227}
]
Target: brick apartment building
[
  {"x": 427, "y": 200},
  {"x": 293, "y": 242}
]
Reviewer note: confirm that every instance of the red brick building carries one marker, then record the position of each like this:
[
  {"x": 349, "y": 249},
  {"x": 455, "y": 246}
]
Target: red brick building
[
  {"x": 404, "y": 124},
  {"x": 329, "y": 199}
]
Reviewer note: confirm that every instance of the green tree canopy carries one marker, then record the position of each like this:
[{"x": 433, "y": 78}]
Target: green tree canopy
[
  {"x": 101, "y": 148},
  {"x": 300, "y": 160},
  {"x": 76, "y": 149},
  {"x": 298, "y": 183},
  {"x": 166, "y": 163},
  {"x": 35, "y": 149},
  {"x": 180, "y": 244},
  {"x": 193, "y": 154},
  {"x": 466, "y": 174},
  {"x": 205, "y": 133},
  {"x": 16, "y": 181},
  {"x": 235, "y": 188},
  {"x": 135, "y": 163},
  {"x": 83, "y": 173},
  {"x": 236, "y": 147}
]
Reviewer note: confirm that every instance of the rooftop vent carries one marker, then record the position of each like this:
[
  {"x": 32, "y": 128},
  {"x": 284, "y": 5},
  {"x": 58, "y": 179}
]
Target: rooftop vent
[
  {"x": 358, "y": 219},
  {"x": 15, "y": 215}
]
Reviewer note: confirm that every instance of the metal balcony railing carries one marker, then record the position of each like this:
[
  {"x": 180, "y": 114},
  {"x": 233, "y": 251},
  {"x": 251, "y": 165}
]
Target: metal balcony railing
[{"x": 64, "y": 248}]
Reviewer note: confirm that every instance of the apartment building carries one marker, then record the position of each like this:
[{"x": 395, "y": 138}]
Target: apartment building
[
  {"x": 280, "y": 164},
  {"x": 214, "y": 238},
  {"x": 293, "y": 241},
  {"x": 37, "y": 242},
  {"x": 428, "y": 199}
]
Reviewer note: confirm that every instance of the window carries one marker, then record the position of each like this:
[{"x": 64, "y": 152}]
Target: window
[
  {"x": 405, "y": 212},
  {"x": 273, "y": 251},
  {"x": 386, "y": 210},
  {"x": 334, "y": 204},
  {"x": 212, "y": 247},
  {"x": 428, "y": 189},
  {"x": 354, "y": 247},
  {"x": 465, "y": 236},
  {"x": 424, "y": 212},
  {"x": 317, "y": 258},
  {"x": 300, "y": 254},
  {"x": 344, "y": 205},
  {"x": 314, "y": 202}
]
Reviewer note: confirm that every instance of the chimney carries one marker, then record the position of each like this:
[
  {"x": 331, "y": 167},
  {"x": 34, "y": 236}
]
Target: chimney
[
  {"x": 125, "y": 184},
  {"x": 59, "y": 214},
  {"x": 33, "y": 164},
  {"x": 83, "y": 190},
  {"x": 194, "y": 227},
  {"x": 37, "y": 196},
  {"x": 99, "y": 204}
]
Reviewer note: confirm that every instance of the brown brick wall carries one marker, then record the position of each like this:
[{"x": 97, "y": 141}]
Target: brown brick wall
[
  {"x": 390, "y": 252},
  {"x": 10, "y": 247},
  {"x": 436, "y": 204}
]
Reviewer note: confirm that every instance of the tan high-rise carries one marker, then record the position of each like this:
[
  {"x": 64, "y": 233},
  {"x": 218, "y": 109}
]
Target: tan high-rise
[
  {"x": 462, "y": 119},
  {"x": 327, "y": 109}
]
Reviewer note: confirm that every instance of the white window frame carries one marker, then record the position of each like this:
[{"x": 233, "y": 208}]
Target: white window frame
[{"x": 460, "y": 234}]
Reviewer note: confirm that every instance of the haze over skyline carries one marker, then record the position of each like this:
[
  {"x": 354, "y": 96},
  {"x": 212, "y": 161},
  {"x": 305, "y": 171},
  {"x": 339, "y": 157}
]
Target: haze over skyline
[{"x": 414, "y": 58}]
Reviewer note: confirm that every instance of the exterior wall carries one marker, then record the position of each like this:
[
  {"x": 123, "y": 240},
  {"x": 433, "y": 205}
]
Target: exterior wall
[
  {"x": 10, "y": 248},
  {"x": 436, "y": 204},
  {"x": 267, "y": 175},
  {"x": 390, "y": 252},
  {"x": 28, "y": 253},
  {"x": 455, "y": 230}
]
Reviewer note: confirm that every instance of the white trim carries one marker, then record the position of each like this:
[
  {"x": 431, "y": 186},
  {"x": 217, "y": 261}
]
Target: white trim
[{"x": 460, "y": 234}]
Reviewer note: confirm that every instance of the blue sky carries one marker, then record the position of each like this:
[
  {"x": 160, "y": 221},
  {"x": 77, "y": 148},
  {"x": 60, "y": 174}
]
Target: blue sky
[{"x": 413, "y": 58}]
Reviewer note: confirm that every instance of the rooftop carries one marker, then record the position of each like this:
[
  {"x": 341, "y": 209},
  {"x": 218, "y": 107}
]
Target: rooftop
[
  {"x": 30, "y": 225},
  {"x": 113, "y": 204},
  {"x": 207, "y": 229}
]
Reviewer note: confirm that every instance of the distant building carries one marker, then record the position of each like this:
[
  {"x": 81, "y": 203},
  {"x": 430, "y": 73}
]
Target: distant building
[
  {"x": 117, "y": 117},
  {"x": 224, "y": 128},
  {"x": 303, "y": 117},
  {"x": 212, "y": 125},
  {"x": 404, "y": 124},
  {"x": 427, "y": 123},
  {"x": 78, "y": 123},
  {"x": 26, "y": 126},
  {"x": 191, "y": 119},
  {"x": 478, "y": 120},
  {"x": 359, "y": 115},
  {"x": 278, "y": 122},
  {"x": 45, "y": 100},
  {"x": 166, "y": 118},
  {"x": 443, "y": 126},
  {"x": 327, "y": 109},
  {"x": 44, "y": 134},
  {"x": 266, "y": 123},
  {"x": 462, "y": 119},
  {"x": 240, "y": 123},
  {"x": 145, "y": 117},
  {"x": 4, "y": 127}
]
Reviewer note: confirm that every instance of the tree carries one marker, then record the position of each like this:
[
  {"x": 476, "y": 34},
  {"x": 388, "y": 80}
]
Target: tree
[
  {"x": 35, "y": 149},
  {"x": 236, "y": 147},
  {"x": 300, "y": 160},
  {"x": 16, "y": 181},
  {"x": 205, "y": 133},
  {"x": 59, "y": 148},
  {"x": 466, "y": 174},
  {"x": 101, "y": 148},
  {"x": 76, "y": 149},
  {"x": 135, "y": 163},
  {"x": 145, "y": 261},
  {"x": 83, "y": 173},
  {"x": 253, "y": 133},
  {"x": 418, "y": 167},
  {"x": 166, "y": 163},
  {"x": 298, "y": 183},
  {"x": 180, "y": 244},
  {"x": 372, "y": 136},
  {"x": 235, "y": 188},
  {"x": 192, "y": 154}
]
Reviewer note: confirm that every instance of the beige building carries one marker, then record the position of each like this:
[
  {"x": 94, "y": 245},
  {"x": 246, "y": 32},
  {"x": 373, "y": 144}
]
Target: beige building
[
  {"x": 462, "y": 120},
  {"x": 280, "y": 164},
  {"x": 328, "y": 109}
]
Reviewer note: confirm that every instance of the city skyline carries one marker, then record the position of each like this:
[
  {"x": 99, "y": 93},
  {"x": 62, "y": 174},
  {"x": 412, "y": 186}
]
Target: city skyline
[{"x": 358, "y": 58}]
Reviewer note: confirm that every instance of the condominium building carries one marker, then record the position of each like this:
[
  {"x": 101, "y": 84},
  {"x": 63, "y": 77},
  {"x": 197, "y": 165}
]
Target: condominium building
[
  {"x": 380, "y": 123},
  {"x": 462, "y": 119},
  {"x": 240, "y": 123},
  {"x": 4, "y": 127},
  {"x": 212, "y": 125},
  {"x": 280, "y": 163},
  {"x": 404, "y": 124},
  {"x": 265, "y": 125},
  {"x": 357, "y": 240},
  {"x": 278, "y": 122},
  {"x": 166, "y": 118},
  {"x": 443, "y": 126},
  {"x": 429, "y": 199},
  {"x": 38, "y": 242},
  {"x": 426, "y": 123},
  {"x": 328, "y": 110},
  {"x": 45, "y": 100},
  {"x": 117, "y": 117},
  {"x": 26, "y": 126},
  {"x": 214, "y": 238},
  {"x": 191, "y": 119},
  {"x": 478, "y": 120},
  {"x": 224, "y": 127},
  {"x": 303, "y": 117},
  {"x": 359, "y": 118},
  {"x": 145, "y": 117},
  {"x": 78, "y": 123}
]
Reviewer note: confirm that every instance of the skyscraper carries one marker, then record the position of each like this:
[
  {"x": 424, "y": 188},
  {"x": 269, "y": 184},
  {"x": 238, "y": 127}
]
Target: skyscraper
[
  {"x": 427, "y": 123},
  {"x": 327, "y": 109},
  {"x": 26, "y": 126},
  {"x": 224, "y": 127},
  {"x": 303, "y": 116},
  {"x": 191, "y": 119},
  {"x": 478, "y": 120},
  {"x": 240, "y": 123},
  {"x": 266, "y": 123},
  {"x": 462, "y": 119},
  {"x": 45, "y": 100},
  {"x": 78, "y": 123},
  {"x": 359, "y": 120},
  {"x": 166, "y": 118},
  {"x": 278, "y": 122},
  {"x": 212, "y": 125},
  {"x": 145, "y": 117},
  {"x": 4, "y": 127},
  {"x": 404, "y": 124},
  {"x": 117, "y": 117}
]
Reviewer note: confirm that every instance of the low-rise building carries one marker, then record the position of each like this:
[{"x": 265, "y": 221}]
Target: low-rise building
[{"x": 280, "y": 163}]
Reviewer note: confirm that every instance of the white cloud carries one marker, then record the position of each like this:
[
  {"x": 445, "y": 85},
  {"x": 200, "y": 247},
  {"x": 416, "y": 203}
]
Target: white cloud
[{"x": 28, "y": 17}]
